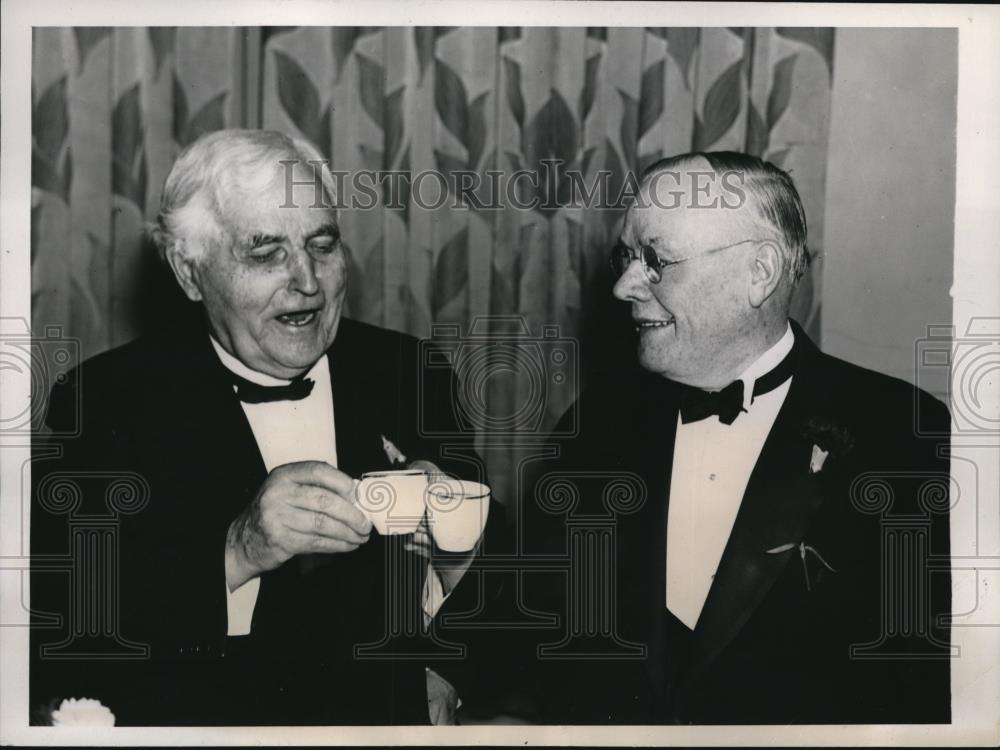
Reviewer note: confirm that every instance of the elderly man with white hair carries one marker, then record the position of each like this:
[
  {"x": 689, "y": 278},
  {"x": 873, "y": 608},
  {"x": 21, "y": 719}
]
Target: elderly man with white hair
[{"x": 251, "y": 574}]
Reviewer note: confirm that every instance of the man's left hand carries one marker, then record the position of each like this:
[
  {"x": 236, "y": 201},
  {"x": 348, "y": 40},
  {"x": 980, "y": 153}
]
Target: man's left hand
[{"x": 422, "y": 543}]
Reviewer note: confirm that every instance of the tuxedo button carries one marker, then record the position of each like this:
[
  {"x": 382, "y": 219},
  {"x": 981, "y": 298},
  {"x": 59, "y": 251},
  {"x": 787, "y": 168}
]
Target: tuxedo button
[{"x": 712, "y": 476}]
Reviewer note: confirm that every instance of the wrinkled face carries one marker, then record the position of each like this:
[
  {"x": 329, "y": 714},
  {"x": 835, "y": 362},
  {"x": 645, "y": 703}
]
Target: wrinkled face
[
  {"x": 694, "y": 323},
  {"x": 274, "y": 286}
]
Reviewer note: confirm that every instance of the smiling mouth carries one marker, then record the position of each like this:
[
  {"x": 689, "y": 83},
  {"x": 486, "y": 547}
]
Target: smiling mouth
[
  {"x": 644, "y": 324},
  {"x": 299, "y": 318}
]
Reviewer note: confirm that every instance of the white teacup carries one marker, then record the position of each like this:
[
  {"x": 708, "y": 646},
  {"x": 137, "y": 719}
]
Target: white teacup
[
  {"x": 393, "y": 500},
  {"x": 456, "y": 512}
]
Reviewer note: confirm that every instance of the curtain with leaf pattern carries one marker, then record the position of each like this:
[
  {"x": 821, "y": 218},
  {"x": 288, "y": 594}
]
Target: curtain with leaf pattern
[{"x": 112, "y": 107}]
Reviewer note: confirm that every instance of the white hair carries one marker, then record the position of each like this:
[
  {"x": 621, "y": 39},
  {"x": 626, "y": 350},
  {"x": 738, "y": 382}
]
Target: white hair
[{"x": 218, "y": 168}]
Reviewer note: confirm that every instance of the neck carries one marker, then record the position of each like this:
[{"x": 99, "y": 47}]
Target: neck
[
  {"x": 755, "y": 344},
  {"x": 224, "y": 345},
  {"x": 233, "y": 363}
]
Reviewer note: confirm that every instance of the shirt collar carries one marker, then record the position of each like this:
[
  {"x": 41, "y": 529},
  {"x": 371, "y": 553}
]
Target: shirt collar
[
  {"x": 234, "y": 365},
  {"x": 765, "y": 363}
]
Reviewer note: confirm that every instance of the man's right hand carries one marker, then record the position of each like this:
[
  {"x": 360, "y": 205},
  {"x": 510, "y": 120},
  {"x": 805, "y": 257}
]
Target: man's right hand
[{"x": 301, "y": 507}]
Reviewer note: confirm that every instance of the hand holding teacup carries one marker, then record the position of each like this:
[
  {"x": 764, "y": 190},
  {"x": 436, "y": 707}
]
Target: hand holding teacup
[
  {"x": 301, "y": 508},
  {"x": 427, "y": 503},
  {"x": 456, "y": 512}
]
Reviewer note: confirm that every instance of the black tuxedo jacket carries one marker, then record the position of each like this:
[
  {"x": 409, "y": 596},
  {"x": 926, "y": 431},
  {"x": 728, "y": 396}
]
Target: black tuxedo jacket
[
  {"x": 769, "y": 647},
  {"x": 150, "y": 638}
]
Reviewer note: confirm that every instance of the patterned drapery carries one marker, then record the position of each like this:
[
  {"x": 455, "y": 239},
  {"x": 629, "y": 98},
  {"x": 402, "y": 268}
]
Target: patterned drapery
[{"x": 112, "y": 107}]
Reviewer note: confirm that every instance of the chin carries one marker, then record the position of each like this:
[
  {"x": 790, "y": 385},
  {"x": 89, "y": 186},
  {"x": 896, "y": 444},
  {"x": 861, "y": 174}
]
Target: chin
[
  {"x": 653, "y": 357},
  {"x": 299, "y": 349},
  {"x": 294, "y": 355},
  {"x": 300, "y": 357},
  {"x": 651, "y": 363}
]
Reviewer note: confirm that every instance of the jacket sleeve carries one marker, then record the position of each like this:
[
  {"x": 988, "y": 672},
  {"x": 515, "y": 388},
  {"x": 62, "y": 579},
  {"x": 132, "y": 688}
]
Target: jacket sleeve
[
  {"x": 77, "y": 551},
  {"x": 902, "y": 671},
  {"x": 509, "y": 679},
  {"x": 480, "y": 598}
]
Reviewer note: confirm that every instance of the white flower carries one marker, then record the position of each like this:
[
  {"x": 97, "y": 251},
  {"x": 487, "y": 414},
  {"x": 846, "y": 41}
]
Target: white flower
[
  {"x": 394, "y": 454},
  {"x": 818, "y": 459},
  {"x": 82, "y": 712}
]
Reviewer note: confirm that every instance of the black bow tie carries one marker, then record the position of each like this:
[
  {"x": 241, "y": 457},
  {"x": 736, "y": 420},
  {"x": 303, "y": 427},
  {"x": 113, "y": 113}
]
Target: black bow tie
[
  {"x": 697, "y": 404},
  {"x": 253, "y": 393}
]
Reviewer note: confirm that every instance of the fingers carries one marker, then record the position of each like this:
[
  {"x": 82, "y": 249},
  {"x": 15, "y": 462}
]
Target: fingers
[
  {"x": 420, "y": 543},
  {"x": 430, "y": 468},
  {"x": 313, "y": 523},
  {"x": 420, "y": 551},
  {"x": 323, "y": 544},
  {"x": 424, "y": 465},
  {"x": 420, "y": 536},
  {"x": 320, "y": 474},
  {"x": 300, "y": 508},
  {"x": 321, "y": 500}
]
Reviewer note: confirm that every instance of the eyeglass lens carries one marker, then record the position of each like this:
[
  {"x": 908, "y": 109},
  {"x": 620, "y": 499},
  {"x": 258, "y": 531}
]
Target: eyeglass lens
[{"x": 621, "y": 256}]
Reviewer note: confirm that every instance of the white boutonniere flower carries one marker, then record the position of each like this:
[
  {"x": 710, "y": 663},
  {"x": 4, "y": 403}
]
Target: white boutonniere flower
[
  {"x": 394, "y": 454},
  {"x": 818, "y": 459},
  {"x": 82, "y": 712},
  {"x": 829, "y": 439}
]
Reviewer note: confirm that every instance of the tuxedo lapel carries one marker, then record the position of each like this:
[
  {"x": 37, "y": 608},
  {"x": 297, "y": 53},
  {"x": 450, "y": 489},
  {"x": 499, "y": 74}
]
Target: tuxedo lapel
[
  {"x": 199, "y": 455},
  {"x": 359, "y": 444},
  {"x": 364, "y": 409},
  {"x": 642, "y": 537},
  {"x": 201, "y": 416},
  {"x": 780, "y": 500}
]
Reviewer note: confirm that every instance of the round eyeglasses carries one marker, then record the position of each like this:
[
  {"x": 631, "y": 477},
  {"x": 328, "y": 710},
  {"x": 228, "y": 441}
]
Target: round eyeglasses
[{"x": 652, "y": 264}]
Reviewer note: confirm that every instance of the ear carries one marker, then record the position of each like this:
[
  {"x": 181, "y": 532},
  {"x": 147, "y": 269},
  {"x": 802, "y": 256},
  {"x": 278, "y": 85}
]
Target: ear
[
  {"x": 766, "y": 268},
  {"x": 185, "y": 271}
]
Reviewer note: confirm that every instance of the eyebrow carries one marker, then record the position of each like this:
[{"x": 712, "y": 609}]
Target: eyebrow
[
  {"x": 664, "y": 249},
  {"x": 260, "y": 239},
  {"x": 656, "y": 244}
]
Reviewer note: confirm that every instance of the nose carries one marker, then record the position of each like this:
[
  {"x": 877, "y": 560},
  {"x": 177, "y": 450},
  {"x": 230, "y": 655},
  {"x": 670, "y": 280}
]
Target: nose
[
  {"x": 303, "y": 273},
  {"x": 633, "y": 284}
]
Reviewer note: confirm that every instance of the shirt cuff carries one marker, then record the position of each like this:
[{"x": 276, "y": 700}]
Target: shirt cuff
[{"x": 240, "y": 605}]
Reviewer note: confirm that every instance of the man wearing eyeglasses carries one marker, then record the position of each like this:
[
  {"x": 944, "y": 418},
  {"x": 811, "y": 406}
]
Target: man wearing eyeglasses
[{"x": 785, "y": 562}]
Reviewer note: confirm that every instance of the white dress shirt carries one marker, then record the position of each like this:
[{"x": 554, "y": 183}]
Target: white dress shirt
[
  {"x": 289, "y": 431},
  {"x": 711, "y": 469}
]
